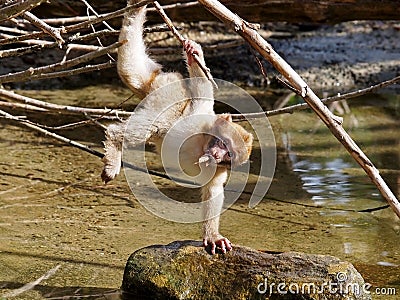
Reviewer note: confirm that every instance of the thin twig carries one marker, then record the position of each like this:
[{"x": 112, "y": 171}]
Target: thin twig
[
  {"x": 289, "y": 86},
  {"x": 68, "y": 20},
  {"x": 96, "y": 121},
  {"x": 62, "y": 127},
  {"x": 85, "y": 69},
  {"x": 260, "y": 66},
  {"x": 42, "y": 44},
  {"x": 51, "y": 134},
  {"x": 86, "y": 148},
  {"x": 11, "y": 96},
  {"x": 302, "y": 106},
  {"x": 25, "y": 75},
  {"x": 9, "y": 39},
  {"x": 176, "y": 33},
  {"x": 26, "y": 50},
  {"x": 54, "y": 32},
  {"x": 89, "y": 7},
  {"x": 120, "y": 12},
  {"x": 32, "y": 38},
  {"x": 13, "y": 30},
  {"x": 22, "y": 106},
  {"x": 18, "y": 8},
  {"x": 97, "y": 15}
]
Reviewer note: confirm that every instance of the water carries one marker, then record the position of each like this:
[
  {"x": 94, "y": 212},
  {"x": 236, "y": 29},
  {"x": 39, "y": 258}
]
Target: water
[{"x": 64, "y": 235}]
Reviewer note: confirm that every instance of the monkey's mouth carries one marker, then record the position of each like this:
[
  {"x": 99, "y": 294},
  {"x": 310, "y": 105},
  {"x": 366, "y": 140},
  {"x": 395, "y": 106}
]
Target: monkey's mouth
[{"x": 209, "y": 159}]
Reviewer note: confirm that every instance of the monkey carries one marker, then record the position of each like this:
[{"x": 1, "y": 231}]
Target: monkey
[{"x": 214, "y": 142}]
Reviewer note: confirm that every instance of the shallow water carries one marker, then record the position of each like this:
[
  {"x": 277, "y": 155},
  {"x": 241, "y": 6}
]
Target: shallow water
[{"x": 68, "y": 235}]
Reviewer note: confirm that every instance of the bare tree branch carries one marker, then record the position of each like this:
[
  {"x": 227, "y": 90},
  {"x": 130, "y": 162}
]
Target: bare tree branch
[
  {"x": 242, "y": 28},
  {"x": 120, "y": 12},
  {"x": 86, "y": 148},
  {"x": 97, "y": 15},
  {"x": 34, "y": 72},
  {"x": 302, "y": 106},
  {"x": 27, "y": 107},
  {"x": 32, "y": 38},
  {"x": 11, "y": 96},
  {"x": 54, "y": 32},
  {"x": 51, "y": 134},
  {"x": 18, "y": 8},
  {"x": 176, "y": 33},
  {"x": 85, "y": 69}
]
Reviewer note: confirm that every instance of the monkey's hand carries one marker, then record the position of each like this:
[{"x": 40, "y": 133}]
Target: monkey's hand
[
  {"x": 217, "y": 240},
  {"x": 192, "y": 48}
]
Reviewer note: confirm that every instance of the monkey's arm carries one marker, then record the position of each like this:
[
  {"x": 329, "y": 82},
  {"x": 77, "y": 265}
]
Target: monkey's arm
[
  {"x": 212, "y": 195},
  {"x": 191, "y": 49},
  {"x": 200, "y": 87}
]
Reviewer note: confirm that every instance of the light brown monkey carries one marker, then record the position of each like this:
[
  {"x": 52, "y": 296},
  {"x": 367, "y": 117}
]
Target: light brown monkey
[{"x": 214, "y": 142}]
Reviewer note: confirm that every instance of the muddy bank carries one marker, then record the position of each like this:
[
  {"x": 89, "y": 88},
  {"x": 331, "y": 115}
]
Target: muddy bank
[{"x": 331, "y": 58}]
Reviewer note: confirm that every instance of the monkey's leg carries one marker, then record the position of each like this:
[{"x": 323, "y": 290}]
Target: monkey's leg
[
  {"x": 213, "y": 195},
  {"x": 136, "y": 69},
  {"x": 113, "y": 151}
]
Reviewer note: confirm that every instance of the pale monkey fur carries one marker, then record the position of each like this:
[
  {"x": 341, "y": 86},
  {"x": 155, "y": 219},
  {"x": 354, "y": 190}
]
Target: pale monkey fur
[{"x": 144, "y": 76}]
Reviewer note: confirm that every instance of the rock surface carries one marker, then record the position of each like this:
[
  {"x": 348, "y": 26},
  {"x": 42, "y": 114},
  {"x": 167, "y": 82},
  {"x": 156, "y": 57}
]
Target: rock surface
[{"x": 183, "y": 270}]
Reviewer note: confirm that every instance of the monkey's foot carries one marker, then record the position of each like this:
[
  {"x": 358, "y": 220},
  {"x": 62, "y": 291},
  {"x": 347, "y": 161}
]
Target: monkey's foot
[
  {"x": 107, "y": 174},
  {"x": 192, "y": 49},
  {"x": 220, "y": 242},
  {"x": 111, "y": 168}
]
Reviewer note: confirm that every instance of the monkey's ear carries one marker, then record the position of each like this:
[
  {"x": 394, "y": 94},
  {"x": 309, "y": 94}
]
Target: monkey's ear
[
  {"x": 248, "y": 141},
  {"x": 226, "y": 117},
  {"x": 247, "y": 137}
]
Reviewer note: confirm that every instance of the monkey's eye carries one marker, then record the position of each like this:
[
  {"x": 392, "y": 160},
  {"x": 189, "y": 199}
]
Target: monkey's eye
[
  {"x": 221, "y": 144},
  {"x": 229, "y": 155}
]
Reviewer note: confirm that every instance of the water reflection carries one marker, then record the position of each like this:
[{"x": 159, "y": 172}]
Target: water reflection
[
  {"x": 332, "y": 177},
  {"x": 340, "y": 188},
  {"x": 324, "y": 180}
]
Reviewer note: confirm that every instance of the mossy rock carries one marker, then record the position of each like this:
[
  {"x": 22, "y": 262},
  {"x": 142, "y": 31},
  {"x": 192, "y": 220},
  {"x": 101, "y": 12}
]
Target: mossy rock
[{"x": 184, "y": 270}]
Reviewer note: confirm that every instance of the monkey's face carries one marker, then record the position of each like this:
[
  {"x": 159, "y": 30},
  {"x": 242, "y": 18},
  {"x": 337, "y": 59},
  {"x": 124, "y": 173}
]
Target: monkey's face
[
  {"x": 230, "y": 144},
  {"x": 217, "y": 152}
]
